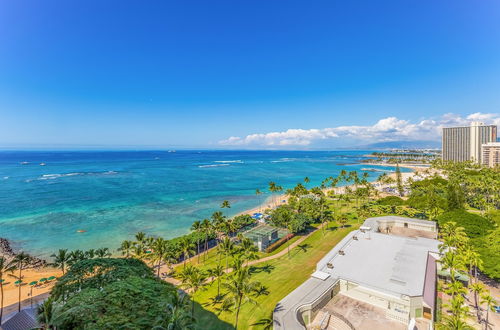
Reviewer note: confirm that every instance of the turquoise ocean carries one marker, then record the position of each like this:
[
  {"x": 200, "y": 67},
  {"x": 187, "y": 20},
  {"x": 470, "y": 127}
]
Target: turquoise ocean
[{"x": 110, "y": 195}]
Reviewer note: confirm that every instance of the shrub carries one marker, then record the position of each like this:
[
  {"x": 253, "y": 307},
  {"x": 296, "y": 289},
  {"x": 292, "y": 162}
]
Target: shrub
[{"x": 278, "y": 243}]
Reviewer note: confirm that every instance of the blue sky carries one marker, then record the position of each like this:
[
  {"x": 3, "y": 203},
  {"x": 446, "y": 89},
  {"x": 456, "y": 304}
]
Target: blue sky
[{"x": 214, "y": 74}]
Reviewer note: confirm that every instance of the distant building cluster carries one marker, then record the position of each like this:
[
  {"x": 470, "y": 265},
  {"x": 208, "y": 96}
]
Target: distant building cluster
[{"x": 477, "y": 142}]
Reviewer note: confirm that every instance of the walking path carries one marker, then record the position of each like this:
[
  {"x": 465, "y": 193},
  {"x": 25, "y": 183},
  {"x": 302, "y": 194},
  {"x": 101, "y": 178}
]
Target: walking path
[{"x": 177, "y": 282}]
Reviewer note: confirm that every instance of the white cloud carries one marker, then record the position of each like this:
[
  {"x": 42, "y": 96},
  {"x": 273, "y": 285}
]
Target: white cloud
[{"x": 386, "y": 129}]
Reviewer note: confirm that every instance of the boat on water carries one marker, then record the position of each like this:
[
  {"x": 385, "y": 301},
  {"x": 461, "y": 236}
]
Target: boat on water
[
  {"x": 25, "y": 163},
  {"x": 171, "y": 151},
  {"x": 42, "y": 164}
]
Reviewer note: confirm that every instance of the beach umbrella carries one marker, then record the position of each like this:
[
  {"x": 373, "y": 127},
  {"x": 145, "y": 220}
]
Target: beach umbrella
[
  {"x": 51, "y": 278},
  {"x": 2, "y": 280},
  {"x": 18, "y": 282},
  {"x": 43, "y": 279},
  {"x": 33, "y": 283}
]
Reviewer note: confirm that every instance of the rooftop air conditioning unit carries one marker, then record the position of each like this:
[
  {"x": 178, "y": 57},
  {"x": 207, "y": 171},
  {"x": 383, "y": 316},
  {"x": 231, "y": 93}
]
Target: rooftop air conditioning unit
[
  {"x": 355, "y": 238},
  {"x": 329, "y": 265},
  {"x": 341, "y": 252}
]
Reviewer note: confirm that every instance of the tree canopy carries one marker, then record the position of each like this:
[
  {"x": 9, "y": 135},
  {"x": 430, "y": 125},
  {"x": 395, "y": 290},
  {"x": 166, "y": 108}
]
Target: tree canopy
[{"x": 113, "y": 293}]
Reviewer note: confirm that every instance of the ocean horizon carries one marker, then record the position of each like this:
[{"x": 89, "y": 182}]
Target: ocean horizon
[{"x": 91, "y": 199}]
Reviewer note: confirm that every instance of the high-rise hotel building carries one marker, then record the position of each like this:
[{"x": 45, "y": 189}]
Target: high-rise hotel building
[
  {"x": 464, "y": 143},
  {"x": 491, "y": 154}
]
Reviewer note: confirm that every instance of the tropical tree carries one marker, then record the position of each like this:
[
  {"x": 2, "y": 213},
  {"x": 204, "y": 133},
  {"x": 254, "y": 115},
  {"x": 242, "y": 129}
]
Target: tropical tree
[
  {"x": 307, "y": 180},
  {"x": 159, "y": 253},
  {"x": 102, "y": 253},
  {"x": 207, "y": 230},
  {"x": 187, "y": 248},
  {"x": 240, "y": 289},
  {"x": 478, "y": 289},
  {"x": 126, "y": 248},
  {"x": 399, "y": 181},
  {"x": 247, "y": 249},
  {"x": 452, "y": 262},
  {"x": 61, "y": 259},
  {"x": 225, "y": 205},
  {"x": 197, "y": 227},
  {"x": 258, "y": 192},
  {"x": 490, "y": 303},
  {"x": 20, "y": 260},
  {"x": 45, "y": 313},
  {"x": 193, "y": 279},
  {"x": 176, "y": 316},
  {"x": 216, "y": 273},
  {"x": 5, "y": 269},
  {"x": 226, "y": 247}
]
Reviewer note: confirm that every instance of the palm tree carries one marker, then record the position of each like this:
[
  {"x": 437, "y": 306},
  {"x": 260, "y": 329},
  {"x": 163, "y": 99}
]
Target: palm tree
[
  {"x": 342, "y": 220},
  {"x": 490, "y": 302},
  {"x": 454, "y": 322},
  {"x": 197, "y": 227},
  {"x": 217, "y": 272},
  {"x": 272, "y": 188},
  {"x": 140, "y": 237},
  {"x": 225, "y": 205},
  {"x": 176, "y": 316},
  {"x": 226, "y": 246},
  {"x": 452, "y": 262},
  {"x": 456, "y": 288},
  {"x": 158, "y": 253},
  {"x": 187, "y": 248},
  {"x": 248, "y": 250},
  {"x": 474, "y": 261},
  {"x": 478, "y": 289},
  {"x": 207, "y": 229},
  {"x": 126, "y": 248},
  {"x": 61, "y": 259},
  {"x": 258, "y": 193},
  {"x": 240, "y": 290},
  {"x": 306, "y": 179},
  {"x": 102, "y": 253},
  {"x": 5, "y": 267},
  {"x": 75, "y": 256},
  {"x": 45, "y": 313},
  {"x": 20, "y": 260},
  {"x": 195, "y": 281}
]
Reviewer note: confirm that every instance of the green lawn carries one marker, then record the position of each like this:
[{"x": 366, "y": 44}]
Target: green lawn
[{"x": 280, "y": 276}]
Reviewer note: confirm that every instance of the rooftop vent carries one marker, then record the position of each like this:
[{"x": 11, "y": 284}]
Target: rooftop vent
[
  {"x": 341, "y": 252},
  {"x": 329, "y": 265},
  {"x": 355, "y": 238}
]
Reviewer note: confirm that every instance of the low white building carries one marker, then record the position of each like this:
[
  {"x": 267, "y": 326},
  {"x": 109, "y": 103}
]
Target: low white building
[{"x": 394, "y": 273}]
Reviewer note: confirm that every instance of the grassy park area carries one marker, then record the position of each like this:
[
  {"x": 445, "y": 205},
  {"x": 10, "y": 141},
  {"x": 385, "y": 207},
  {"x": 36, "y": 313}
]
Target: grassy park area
[{"x": 280, "y": 276}]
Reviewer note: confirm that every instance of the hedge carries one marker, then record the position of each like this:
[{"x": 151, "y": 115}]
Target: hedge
[{"x": 279, "y": 242}]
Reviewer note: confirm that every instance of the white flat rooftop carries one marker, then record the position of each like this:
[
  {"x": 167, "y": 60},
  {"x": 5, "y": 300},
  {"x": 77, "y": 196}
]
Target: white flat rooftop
[{"x": 392, "y": 264}]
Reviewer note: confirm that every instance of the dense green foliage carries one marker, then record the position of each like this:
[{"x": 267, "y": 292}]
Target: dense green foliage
[
  {"x": 285, "y": 217},
  {"x": 474, "y": 225},
  {"x": 391, "y": 200},
  {"x": 109, "y": 293},
  {"x": 484, "y": 235}
]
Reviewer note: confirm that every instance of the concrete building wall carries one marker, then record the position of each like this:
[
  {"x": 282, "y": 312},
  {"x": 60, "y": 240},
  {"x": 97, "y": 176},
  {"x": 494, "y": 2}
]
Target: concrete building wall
[
  {"x": 491, "y": 154},
  {"x": 464, "y": 143},
  {"x": 397, "y": 308}
]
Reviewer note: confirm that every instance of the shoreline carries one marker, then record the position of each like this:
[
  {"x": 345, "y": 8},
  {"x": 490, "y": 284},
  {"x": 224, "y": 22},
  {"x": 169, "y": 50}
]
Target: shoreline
[{"x": 33, "y": 273}]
